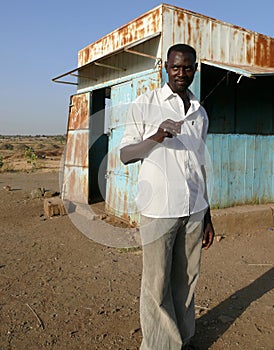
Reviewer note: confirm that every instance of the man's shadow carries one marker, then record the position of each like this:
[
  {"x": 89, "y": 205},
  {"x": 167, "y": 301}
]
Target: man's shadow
[{"x": 214, "y": 324}]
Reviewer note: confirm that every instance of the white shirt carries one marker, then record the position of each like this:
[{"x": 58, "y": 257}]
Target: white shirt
[{"x": 170, "y": 181}]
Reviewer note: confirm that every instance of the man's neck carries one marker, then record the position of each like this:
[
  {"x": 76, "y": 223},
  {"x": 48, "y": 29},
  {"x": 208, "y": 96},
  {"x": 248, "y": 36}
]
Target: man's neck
[{"x": 186, "y": 100}]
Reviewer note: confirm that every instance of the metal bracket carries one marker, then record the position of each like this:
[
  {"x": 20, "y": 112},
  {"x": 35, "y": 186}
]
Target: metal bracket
[
  {"x": 108, "y": 66},
  {"x": 134, "y": 52},
  {"x": 82, "y": 76}
]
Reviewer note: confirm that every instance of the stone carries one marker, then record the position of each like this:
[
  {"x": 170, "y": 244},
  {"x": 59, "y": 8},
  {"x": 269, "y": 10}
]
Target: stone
[
  {"x": 37, "y": 193},
  {"x": 53, "y": 206},
  {"x": 133, "y": 331},
  {"x": 49, "y": 194}
]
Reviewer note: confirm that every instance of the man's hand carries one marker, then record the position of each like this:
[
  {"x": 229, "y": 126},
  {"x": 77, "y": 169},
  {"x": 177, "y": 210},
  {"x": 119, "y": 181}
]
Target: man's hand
[
  {"x": 208, "y": 235},
  {"x": 167, "y": 128},
  {"x": 171, "y": 127}
]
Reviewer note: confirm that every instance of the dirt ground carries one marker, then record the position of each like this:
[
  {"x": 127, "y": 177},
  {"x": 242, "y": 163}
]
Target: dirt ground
[{"x": 61, "y": 290}]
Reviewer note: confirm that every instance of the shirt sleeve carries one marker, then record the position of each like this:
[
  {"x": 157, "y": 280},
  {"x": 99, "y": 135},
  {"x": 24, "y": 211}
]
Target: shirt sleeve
[
  {"x": 205, "y": 126},
  {"x": 202, "y": 150},
  {"x": 134, "y": 128}
]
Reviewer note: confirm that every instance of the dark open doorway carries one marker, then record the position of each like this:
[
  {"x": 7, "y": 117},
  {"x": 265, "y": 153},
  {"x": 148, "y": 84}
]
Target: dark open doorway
[
  {"x": 98, "y": 146},
  {"x": 236, "y": 104}
]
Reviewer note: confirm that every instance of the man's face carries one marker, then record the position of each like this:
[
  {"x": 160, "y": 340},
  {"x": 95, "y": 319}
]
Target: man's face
[{"x": 180, "y": 68}]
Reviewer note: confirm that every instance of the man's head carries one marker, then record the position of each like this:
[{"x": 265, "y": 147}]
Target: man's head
[{"x": 181, "y": 67}]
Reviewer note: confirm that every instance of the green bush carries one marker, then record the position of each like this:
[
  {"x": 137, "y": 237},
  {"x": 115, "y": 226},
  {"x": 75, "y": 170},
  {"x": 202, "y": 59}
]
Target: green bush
[{"x": 31, "y": 156}]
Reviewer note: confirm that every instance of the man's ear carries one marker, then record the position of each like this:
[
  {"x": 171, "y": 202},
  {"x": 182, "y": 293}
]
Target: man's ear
[
  {"x": 196, "y": 66},
  {"x": 166, "y": 66}
]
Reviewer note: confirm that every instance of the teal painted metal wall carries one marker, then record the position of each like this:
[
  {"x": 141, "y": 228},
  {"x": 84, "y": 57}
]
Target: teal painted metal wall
[{"x": 242, "y": 168}]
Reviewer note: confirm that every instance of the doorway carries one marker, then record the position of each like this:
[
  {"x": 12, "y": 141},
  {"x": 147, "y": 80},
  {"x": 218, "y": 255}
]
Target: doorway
[{"x": 98, "y": 145}]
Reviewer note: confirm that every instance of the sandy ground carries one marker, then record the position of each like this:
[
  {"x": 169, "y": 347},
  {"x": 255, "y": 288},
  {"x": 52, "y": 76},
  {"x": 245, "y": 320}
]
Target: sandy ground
[{"x": 61, "y": 290}]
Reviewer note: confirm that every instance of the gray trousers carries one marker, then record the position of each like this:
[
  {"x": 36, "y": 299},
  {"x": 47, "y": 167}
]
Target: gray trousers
[{"x": 171, "y": 265}]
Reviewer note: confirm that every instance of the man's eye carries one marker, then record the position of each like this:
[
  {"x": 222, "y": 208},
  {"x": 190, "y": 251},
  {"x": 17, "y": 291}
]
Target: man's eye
[
  {"x": 189, "y": 69},
  {"x": 175, "y": 68}
]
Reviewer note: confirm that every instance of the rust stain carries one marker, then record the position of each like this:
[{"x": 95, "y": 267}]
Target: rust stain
[
  {"x": 260, "y": 51},
  {"x": 153, "y": 86},
  {"x": 81, "y": 149},
  {"x": 71, "y": 182},
  {"x": 69, "y": 147},
  {"x": 111, "y": 161},
  {"x": 249, "y": 53},
  {"x": 109, "y": 196},
  {"x": 189, "y": 29},
  {"x": 125, "y": 208},
  {"x": 141, "y": 90},
  {"x": 264, "y": 48},
  {"x": 180, "y": 18},
  {"x": 197, "y": 24},
  {"x": 126, "y": 172}
]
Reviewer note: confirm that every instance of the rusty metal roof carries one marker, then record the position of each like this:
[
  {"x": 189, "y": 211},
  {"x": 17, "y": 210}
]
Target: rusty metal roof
[{"x": 248, "y": 71}]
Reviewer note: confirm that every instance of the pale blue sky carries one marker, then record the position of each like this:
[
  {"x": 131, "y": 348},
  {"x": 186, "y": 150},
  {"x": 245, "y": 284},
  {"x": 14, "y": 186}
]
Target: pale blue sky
[{"x": 41, "y": 39}]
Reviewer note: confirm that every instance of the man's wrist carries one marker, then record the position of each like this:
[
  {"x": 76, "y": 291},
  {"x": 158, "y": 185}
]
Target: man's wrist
[{"x": 207, "y": 218}]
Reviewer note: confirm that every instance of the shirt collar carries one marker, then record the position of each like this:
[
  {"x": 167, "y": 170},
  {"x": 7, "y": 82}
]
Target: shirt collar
[{"x": 167, "y": 92}]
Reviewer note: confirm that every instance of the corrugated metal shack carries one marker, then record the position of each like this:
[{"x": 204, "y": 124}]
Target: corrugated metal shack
[{"x": 235, "y": 81}]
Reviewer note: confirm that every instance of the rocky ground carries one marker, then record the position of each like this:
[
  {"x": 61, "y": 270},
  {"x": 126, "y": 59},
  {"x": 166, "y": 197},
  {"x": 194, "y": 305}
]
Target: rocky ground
[{"x": 61, "y": 290}]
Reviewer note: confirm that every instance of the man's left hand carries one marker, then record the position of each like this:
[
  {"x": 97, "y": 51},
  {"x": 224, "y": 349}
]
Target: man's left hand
[{"x": 208, "y": 235}]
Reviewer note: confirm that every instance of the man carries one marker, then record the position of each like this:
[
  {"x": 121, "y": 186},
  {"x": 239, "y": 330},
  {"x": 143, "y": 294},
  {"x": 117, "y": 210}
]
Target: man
[{"x": 166, "y": 130}]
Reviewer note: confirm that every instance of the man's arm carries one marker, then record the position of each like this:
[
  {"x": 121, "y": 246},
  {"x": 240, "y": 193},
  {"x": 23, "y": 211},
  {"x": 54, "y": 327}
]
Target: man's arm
[
  {"x": 208, "y": 226},
  {"x": 135, "y": 152}
]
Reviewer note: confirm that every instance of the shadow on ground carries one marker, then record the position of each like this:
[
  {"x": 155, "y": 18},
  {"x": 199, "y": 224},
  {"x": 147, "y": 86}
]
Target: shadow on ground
[{"x": 216, "y": 322}]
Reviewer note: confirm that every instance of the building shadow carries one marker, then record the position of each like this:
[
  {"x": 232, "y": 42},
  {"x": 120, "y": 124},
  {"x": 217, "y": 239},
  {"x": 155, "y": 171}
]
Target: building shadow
[{"x": 211, "y": 326}]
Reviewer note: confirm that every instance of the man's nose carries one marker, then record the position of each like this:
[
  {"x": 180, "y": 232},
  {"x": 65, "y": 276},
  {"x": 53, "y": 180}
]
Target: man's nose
[{"x": 181, "y": 71}]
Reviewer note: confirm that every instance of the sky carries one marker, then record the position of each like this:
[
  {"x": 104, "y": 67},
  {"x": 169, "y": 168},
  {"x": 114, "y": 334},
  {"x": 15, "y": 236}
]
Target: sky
[{"x": 41, "y": 39}]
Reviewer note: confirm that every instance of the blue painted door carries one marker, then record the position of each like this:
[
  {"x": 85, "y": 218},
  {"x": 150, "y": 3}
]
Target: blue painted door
[{"x": 121, "y": 187}]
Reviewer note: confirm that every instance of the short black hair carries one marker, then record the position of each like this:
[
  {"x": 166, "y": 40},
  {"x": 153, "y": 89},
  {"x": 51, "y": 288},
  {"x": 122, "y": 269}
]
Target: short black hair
[{"x": 182, "y": 48}]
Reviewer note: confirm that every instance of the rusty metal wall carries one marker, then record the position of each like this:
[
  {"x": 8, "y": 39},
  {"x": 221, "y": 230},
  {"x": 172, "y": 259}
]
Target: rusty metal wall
[
  {"x": 216, "y": 40},
  {"x": 75, "y": 173}
]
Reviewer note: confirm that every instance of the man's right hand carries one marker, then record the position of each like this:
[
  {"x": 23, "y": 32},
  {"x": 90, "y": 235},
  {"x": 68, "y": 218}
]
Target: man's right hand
[{"x": 167, "y": 128}]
